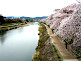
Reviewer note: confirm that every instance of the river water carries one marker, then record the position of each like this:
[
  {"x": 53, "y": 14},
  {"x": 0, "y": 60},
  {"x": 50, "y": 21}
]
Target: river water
[{"x": 19, "y": 44}]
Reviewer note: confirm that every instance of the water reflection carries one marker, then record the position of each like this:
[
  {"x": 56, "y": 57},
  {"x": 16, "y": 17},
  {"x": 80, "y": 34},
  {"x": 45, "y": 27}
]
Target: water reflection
[
  {"x": 2, "y": 40},
  {"x": 2, "y": 37},
  {"x": 19, "y": 44}
]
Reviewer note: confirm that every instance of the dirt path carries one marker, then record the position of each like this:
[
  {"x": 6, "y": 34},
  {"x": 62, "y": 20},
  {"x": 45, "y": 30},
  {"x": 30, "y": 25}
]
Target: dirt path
[{"x": 63, "y": 52}]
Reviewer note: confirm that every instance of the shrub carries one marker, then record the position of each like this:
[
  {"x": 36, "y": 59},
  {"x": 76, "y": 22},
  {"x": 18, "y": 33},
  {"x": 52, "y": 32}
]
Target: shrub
[
  {"x": 56, "y": 52},
  {"x": 48, "y": 26}
]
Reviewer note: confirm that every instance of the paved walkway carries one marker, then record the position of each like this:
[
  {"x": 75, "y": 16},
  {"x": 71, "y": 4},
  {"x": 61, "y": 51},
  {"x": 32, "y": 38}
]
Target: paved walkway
[{"x": 63, "y": 52}]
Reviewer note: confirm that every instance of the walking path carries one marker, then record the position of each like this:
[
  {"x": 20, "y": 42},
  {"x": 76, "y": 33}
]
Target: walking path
[{"x": 63, "y": 52}]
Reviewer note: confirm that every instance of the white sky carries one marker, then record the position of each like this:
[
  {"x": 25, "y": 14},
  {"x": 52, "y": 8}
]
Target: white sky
[{"x": 31, "y": 8}]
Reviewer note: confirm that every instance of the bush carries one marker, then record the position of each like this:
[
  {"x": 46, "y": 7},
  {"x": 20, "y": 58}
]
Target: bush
[
  {"x": 48, "y": 26},
  {"x": 56, "y": 52},
  {"x": 44, "y": 23}
]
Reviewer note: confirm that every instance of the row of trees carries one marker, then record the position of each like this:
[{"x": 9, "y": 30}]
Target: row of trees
[
  {"x": 1, "y": 19},
  {"x": 9, "y": 20},
  {"x": 14, "y": 20},
  {"x": 29, "y": 20}
]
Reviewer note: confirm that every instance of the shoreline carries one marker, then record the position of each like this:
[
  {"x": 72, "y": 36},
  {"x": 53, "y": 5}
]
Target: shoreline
[
  {"x": 10, "y": 27},
  {"x": 53, "y": 44},
  {"x": 45, "y": 49}
]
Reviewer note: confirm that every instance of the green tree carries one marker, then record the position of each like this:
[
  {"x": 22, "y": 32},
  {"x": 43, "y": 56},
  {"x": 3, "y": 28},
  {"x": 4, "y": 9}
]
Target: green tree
[{"x": 1, "y": 19}]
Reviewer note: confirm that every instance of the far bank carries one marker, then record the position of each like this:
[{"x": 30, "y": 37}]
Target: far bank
[{"x": 12, "y": 26}]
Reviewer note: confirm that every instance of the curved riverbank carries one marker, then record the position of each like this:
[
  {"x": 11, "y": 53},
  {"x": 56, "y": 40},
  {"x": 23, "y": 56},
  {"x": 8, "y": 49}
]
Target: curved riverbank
[
  {"x": 45, "y": 50},
  {"x": 19, "y": 44},
  {"x": 64, "y": 53},
  {"x": 9, "y": 27},
  {"x": 50, "y": 47}
]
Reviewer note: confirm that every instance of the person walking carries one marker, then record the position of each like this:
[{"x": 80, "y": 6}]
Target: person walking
[{"x": 65, "y": 43}]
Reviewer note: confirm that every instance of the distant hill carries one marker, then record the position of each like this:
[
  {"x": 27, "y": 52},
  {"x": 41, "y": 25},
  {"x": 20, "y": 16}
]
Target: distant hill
[
  {"x": 23, "y": 17},
  {"x": 11, "y": 17},
  {"x": 35, "y": 18}
]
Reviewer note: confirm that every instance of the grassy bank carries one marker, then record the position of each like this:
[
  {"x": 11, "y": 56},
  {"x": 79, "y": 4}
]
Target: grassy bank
[
  {"x": 6, "y": 24},
  {"x": 45, "y": 51},
  {"x": 42, "y": 39},
  {"x": 9, "y": 26},
  {"x": 56, "y": 52}
]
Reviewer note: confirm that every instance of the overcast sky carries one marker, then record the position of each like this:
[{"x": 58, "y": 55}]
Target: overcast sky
[{"x": 31, "y": 8}]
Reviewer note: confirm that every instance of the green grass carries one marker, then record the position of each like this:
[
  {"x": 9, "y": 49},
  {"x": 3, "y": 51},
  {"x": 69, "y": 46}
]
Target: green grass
[
  {"x": 44, "y": 23},
  {"x": 79, "y": 57},
  {"x": 43, "y": 36},
  {"x": 4, "y": 29},
  {"x": 56, "y": 52},
  {"x": 20, "y": 22},
  {"x": 37, "y": 58},
  {"x": 6, "y": 24},
  {"x": 48, "y": 26},
  {"x": 40, "y": 30},
  {"x": 47, "y": 37}
]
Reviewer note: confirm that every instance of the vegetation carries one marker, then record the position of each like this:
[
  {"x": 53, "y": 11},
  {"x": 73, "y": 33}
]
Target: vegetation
[
  {"x": 56, "y": 52},
  {"x": 48, "y": 26},
  {"x": 6, "y": 24},
  {"x": 36, "y": 57},
  {"x": 4, "y": 20},
  {"x": 44, "y": 23},
  {"x": 52, "y": 30},
  {"x": 69, "y": 41},
  {"x": 4, "y": 29},
  {"x": 1, "y": 19},
  {"x": 45, "y": 50},
  {"x": 43, "y": 37}
]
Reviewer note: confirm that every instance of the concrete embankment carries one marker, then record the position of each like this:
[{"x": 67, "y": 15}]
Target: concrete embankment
[{"x": 9, "y": 27}]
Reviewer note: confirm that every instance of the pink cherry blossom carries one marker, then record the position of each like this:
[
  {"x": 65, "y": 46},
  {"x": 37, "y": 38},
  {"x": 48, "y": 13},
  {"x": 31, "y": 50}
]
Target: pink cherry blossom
[{"x": 66, "y": 23}]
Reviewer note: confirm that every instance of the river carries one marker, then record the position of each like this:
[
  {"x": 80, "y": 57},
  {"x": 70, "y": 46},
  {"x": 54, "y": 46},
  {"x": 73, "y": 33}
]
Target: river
[{"x": 19, "y": 44}]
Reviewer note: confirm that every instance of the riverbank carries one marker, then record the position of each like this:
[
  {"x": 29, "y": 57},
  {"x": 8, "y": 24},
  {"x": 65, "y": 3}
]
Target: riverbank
[
  {"x": 9, "y": 27},
  {"x": 50, "y": 47},
  {"x": 45, "y": 50},
  {"x": 64, "y": 53},
  {"x": 19, "y": 44}
]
